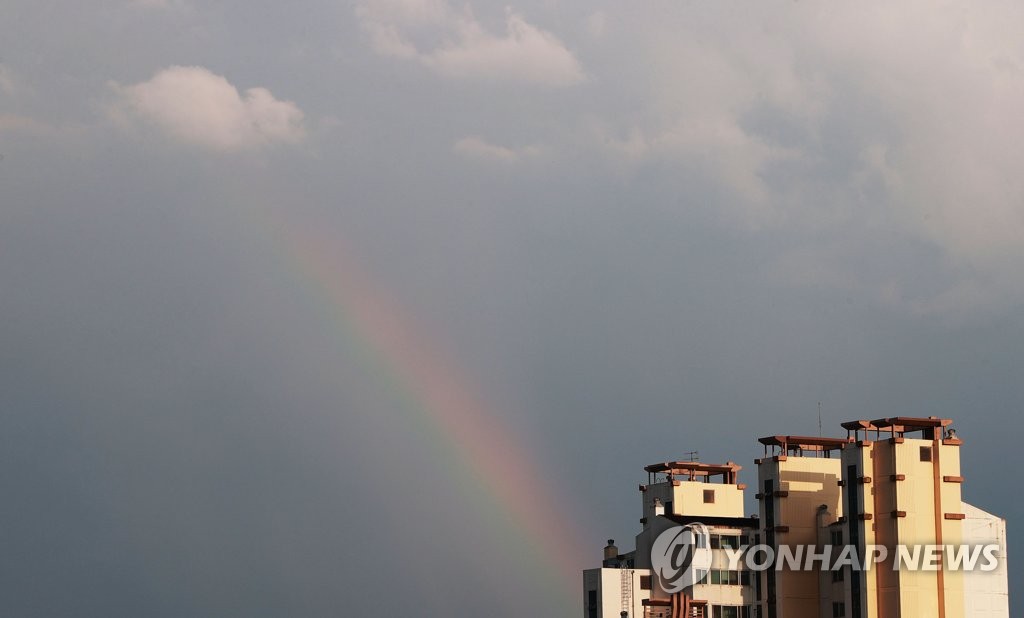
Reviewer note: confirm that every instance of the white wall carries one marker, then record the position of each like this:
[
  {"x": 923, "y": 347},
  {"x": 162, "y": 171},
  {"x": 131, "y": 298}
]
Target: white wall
[
  {"x": 608, "y": 583},
  {"x": 985, "y": 593}
]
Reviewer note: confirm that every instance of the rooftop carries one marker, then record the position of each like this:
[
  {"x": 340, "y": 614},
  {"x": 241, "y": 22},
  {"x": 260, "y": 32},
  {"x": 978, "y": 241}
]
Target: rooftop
[
  {"x": 800, "y": 444},
  {"x": 930, "y": 427},
  {"x": 694, "y": 470}
]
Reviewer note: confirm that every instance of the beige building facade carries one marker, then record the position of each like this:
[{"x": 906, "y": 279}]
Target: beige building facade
[{"x": 799, "y": 493}]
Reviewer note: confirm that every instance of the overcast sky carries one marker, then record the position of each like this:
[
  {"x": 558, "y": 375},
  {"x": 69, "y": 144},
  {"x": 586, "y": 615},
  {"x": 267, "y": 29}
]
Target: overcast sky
[{"x": 328, "y": 308}]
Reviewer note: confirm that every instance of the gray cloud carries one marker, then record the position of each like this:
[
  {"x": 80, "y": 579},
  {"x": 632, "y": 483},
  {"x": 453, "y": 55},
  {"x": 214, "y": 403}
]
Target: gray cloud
[
  {"x": 716, "y": 219},
  {"x": 478, "y": 148},
  {"x": 525, "y": 53}
]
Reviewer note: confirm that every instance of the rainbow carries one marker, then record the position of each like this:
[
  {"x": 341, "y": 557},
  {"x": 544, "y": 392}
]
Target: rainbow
[{"x": 499, "y": 465}]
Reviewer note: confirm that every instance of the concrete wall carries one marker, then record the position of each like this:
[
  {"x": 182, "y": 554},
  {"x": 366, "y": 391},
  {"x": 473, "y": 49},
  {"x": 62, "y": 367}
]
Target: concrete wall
[
  {"x": 986, "y": 594},
  {"x": 904, "y": 500},
  {"x": 687, "y": 498},
  {"x": 800, "y": 486},
  {"x": 608, "y": 584}
]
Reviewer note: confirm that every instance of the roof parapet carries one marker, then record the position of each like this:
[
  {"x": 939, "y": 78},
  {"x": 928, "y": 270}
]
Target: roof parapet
[
  {"x": 797, "y": 445},
  {"x": 931, "y": 428},
  {"x": 693, "y": 470}
]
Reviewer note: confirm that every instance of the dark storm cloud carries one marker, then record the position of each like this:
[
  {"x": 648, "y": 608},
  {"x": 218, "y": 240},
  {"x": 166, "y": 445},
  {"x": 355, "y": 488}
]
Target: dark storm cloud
[{"x": 639, "y": 233}]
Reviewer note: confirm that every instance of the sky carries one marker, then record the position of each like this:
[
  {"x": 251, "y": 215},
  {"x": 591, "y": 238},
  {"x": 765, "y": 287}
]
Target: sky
[{"x": 328, "y": 308}]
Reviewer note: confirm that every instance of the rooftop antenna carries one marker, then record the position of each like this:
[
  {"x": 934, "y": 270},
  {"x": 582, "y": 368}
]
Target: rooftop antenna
[
  {"x": 692, "y": 456},
  {"x": 819, "y": 419}
]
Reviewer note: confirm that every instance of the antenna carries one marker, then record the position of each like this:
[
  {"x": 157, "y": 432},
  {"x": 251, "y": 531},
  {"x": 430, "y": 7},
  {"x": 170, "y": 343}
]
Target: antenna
[
  {"x": 692, "y": 456},
  {"x": 819, "y": 419}
]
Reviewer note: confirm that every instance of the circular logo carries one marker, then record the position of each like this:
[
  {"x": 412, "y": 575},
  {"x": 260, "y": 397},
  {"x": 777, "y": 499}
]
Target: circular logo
[{"x": 681, "y": 556}]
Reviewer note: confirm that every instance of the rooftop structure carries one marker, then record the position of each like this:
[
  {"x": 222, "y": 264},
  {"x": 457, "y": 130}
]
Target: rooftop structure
[
  {"x": 695, "y": 471},
  {"x": 799, "y": 445}
]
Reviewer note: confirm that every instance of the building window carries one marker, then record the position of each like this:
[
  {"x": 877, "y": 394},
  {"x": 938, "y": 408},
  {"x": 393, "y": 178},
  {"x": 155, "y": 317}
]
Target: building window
[
  {"x": 668, "y": 507},
  {"x": 729, "y": 611},
  {"x": 725, "y": 578},
  {"x": 838, "y": 609},
  {"x": 592, "y": 603},
  {"x": 725, "y": 541},
  {"x": 926, "y": 453},
  {"x": 645, "y": 582},
  {"x": 709, "y": 496}
]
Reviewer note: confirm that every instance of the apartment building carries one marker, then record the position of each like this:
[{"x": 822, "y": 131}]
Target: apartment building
[{"x": 890, "y": 485}]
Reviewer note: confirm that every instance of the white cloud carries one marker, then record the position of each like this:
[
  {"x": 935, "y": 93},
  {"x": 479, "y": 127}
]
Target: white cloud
[
  {"x": 461, "y": 47},
  {"x": 714, "y": 147},
  {"x": 475, "y": 147},
  {"x": 859, "y": 121},
  {"x": 195, "y": 106}
]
